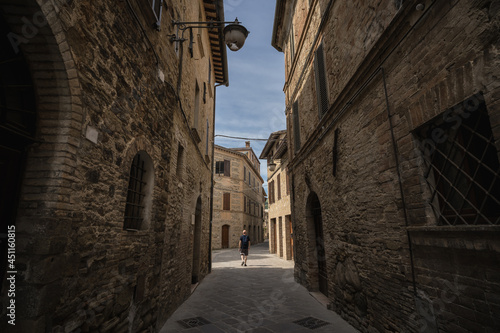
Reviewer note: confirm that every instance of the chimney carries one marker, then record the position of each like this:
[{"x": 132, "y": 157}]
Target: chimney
[{"x": 247, "y": 144}]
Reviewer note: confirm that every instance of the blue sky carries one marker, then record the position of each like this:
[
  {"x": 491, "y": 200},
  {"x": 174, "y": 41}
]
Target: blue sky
[{"x": 253, "y": 105}]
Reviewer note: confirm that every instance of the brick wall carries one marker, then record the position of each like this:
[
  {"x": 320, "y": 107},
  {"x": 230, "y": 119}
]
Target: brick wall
[
  {"x": 389, "y": 266},
  {"x": 101, "y": 100}
]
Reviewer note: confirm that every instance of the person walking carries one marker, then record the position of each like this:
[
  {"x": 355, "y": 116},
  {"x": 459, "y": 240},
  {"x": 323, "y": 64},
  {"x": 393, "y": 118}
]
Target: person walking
[{"x": 244, "y": 246}]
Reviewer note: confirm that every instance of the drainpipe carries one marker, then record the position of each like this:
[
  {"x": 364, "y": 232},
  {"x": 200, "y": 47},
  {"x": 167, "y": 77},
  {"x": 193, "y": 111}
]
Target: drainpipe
[
  {"x": 212, "y": 183},
  {"x": 403, "y": 201}
]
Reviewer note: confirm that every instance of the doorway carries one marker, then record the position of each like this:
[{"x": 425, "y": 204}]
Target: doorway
[
  {"x": 17, "y": 132},
  {"x": 288, "y": 219},
  {"x": 273, "y": 235},
  {"x": 317, "y": 242},
  {"x": 196, "y": 243},
  {"x": 225, "y": 236}
]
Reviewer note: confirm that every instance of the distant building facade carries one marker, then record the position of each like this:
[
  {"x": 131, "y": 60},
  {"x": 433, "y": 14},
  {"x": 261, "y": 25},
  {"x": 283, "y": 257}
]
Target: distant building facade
[
  {"x": 393, "y": 123},
  {"x": 278, "y": 180},
  {"x": 238, "y": 197},
  {"x": 106, "y": 133}
]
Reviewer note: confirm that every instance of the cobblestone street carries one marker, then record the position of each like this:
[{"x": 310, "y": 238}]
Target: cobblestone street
[{"x": 261, "y": 297}]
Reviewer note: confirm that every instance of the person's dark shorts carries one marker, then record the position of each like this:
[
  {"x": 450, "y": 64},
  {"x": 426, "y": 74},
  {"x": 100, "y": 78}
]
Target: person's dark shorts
[{"x": 244, "y": 251}]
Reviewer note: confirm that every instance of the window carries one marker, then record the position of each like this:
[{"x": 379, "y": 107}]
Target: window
[
  {"x": 249, "y": 178},
  {"x": 156, "y": 6},
  {"x": 321, "y": 86},
  {"x": 461, "y": 166},
  {"x": 279, "y": 186},
  {"x": 296, "y": 126},
  {"x": 207, "y": 138},
  {"x": 209, "y": 71},
  {"x": 196, "y": 106},
  {"x": 219, "y": 167},
  {"x": 244, "y": 173},
  {"x": 180, "y": 161},
  {"x": 204, "y": 92},
  {"x": 138, "y": 203},
  {"x": 244, "y": 204},
  {"x": 151, "y": 10},
  {"x": 226, "y": 201},
  {"x": 335, "y": 151},
  {"x": 223, "y": 168},
  {"x": 292, "y": 44}
]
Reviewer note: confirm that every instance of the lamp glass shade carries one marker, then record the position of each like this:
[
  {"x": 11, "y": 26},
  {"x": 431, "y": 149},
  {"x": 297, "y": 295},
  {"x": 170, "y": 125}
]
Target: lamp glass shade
[
  {"x": 272, "y": 166},
  {"x": 235, "y": 36}
]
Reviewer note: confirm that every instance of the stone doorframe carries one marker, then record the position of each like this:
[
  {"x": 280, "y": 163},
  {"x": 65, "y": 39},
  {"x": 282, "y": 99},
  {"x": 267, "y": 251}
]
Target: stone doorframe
[{"x": 315, "y": 280}]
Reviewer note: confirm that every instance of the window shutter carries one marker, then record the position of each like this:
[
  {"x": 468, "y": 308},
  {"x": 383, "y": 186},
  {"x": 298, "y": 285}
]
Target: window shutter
[
  {"x": 296, "y": 126},
  {"x": 244, "y": 204},
  {"x": 288, "y": 182},
  {"x": 335, "y": 151},
  {"x": 227, "y": 201},
  {"x": 271, "y": 192},
  {"x": 320, "y": 74},
  {"x": 244, "y": 174},
  {"x": 279, "y": 187},
  {"x": 227, "y": 168}
]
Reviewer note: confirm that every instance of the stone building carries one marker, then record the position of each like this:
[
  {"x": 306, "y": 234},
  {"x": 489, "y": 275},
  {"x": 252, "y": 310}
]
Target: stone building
[
  {"x": 238, "y": 199},
  {"x": 393, "y": 120},
  {"x": 106, "y": 147},
  {"x": 278, "y": 180}
]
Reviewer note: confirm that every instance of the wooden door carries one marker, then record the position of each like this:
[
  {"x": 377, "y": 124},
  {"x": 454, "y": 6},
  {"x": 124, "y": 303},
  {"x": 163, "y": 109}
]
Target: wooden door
[{"x": 225, "y": 237}]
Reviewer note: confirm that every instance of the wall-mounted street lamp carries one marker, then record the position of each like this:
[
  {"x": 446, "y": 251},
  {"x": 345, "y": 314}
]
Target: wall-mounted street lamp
[
  {"x": 272, "y": 166},
  {"x": 234, "y": 33}
]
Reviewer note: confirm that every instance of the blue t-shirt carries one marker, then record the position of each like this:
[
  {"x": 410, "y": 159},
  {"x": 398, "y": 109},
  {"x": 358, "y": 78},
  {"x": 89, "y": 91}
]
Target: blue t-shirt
[{"x": 244, "y": 241}]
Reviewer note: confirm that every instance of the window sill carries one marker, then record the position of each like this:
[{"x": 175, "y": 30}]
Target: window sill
[{"x": 479, "y": 238}]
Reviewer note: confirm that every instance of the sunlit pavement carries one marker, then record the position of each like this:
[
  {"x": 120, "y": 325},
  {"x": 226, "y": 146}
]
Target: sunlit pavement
[{"x": 261, "y": 297}]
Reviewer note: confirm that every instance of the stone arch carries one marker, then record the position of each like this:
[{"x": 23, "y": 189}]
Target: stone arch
[
  {"x": 44, "y": 210},
  {"x": 37, "y": 32},
  {"x": 139, "y": 194},
  {"x": 318, "y": 277}
]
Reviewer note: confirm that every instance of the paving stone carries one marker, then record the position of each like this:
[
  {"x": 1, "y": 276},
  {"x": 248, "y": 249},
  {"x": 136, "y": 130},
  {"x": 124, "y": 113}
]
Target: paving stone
[{"x": 258, "y": 298}]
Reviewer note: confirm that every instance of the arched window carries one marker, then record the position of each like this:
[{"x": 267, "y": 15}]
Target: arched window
[{"x": 139, "y": 193}]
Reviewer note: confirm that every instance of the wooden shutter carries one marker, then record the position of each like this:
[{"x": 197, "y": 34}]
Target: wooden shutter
[
  {"x": 296, "y": 126},
  {"x": 279, "y": 187},
  {"x": 288, "y": 182},
  {"x": 335, "y": 151},
  {"x": 244, "y": 173},
  {"x": 320, "y": 74},
  {"x": 227, "y": 201},
  {"x": 271, "y": 192},
  {"x": 227, "y": 168},
  {"x": 244, "y": 204}
]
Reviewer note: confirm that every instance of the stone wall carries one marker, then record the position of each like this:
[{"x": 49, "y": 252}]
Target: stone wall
[
  {"x": 390, "y": 267},
  {"x": 107, "y": 90}
]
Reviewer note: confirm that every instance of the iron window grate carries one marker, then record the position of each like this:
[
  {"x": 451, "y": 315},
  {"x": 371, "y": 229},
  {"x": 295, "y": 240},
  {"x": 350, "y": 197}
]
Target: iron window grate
[
  {"x": 461, "y": 166},
  {"x": 193, "y": 322},
  {"x": 135, "y": 195},
  {"x": 311, "y": 323}
]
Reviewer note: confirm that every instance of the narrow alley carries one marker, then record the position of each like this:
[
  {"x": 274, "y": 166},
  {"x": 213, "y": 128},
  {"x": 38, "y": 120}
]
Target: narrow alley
[{"x": 262, "y": 297}]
